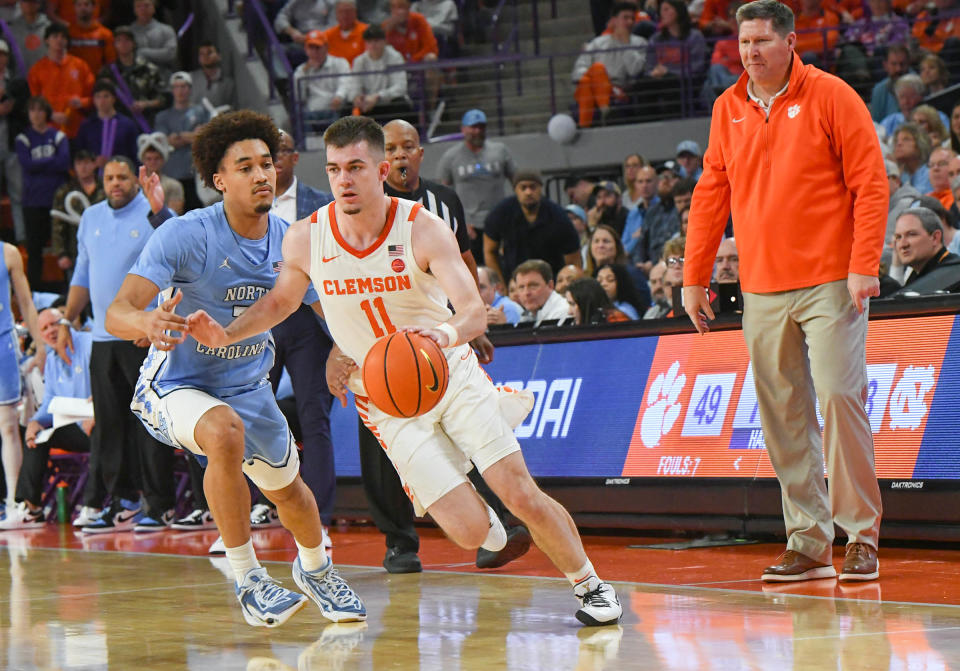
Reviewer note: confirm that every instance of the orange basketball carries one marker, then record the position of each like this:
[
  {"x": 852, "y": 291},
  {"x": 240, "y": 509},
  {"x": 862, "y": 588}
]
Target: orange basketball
[{"x": 405, "y": 374}]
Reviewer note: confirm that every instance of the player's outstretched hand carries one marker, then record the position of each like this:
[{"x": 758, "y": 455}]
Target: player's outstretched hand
[
  {"x": 206, "y": 330},
  {"x": 162, "y": 322},
  {"x": 338, "y": 370},
  {"x": 697, "y": 304}
]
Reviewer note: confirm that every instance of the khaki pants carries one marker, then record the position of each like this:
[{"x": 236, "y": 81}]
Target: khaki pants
[{"x": 808, "y": 344}]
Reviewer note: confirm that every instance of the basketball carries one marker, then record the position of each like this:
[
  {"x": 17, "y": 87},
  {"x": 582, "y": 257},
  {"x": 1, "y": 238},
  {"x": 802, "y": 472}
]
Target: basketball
[{"x": 405, "y": 374}]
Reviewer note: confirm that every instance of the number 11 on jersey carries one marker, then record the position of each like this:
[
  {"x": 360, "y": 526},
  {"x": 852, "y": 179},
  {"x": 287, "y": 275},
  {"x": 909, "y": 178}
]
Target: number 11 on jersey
[{"x": 378, "y": 331}]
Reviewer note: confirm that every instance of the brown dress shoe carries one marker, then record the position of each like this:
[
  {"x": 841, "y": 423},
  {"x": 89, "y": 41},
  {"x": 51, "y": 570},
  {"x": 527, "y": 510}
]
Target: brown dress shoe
[
  {"x": 792, "y": 566},
  {"x": 860, "y": 563}
]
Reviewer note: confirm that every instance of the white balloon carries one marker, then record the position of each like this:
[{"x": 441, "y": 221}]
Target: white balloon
[{"x": 562, "y": 128}]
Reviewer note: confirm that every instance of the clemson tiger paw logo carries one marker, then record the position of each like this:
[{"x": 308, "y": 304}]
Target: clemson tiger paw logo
[{"x": 662, "y": 408}]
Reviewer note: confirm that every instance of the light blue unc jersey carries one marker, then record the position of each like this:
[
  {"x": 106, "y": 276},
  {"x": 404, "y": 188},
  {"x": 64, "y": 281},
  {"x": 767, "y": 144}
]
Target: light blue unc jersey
[
  {"x": 223, "y": 273},
  {"x": 9, "y": 347},
  {"x": 6, "y": 314}
]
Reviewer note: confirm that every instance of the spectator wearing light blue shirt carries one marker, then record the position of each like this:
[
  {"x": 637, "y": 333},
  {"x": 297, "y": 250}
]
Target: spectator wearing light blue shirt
[
  {"x": 911, "y": 149},
  {"x": 621, "y": 290},
  {"x": 60, "y": 378},
  {"x": 646, "y": 185},
  {"x": 909, "y": 90},
  {"x": 500, "y": 309},
  {"x": 109, "y": 240},
  {"x": 690, "y": 158},
  {"x": 883, "y": 102}
]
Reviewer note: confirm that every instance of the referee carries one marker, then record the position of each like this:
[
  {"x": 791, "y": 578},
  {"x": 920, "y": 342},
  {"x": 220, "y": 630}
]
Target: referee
[{"x": 389, "y": 506}]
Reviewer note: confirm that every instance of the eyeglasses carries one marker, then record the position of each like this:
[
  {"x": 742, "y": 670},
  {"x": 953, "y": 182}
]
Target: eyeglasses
[
  {"x": 938, "y": 164},
  {"x": 675, "y": 261}
]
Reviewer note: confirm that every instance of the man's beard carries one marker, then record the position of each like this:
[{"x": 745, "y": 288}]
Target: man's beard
[
  {"x": 122, "y": 201},
  {"x": 262, "y": 208},
  {"x": 354, "y": 209}
]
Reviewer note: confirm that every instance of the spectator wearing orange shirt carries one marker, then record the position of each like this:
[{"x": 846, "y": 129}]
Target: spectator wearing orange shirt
[
  {"x": 410, "y": 34},
  {"x": 848, "y": 10},
  {"x": 63, "y": 11},
  {"x": 809, "y": 24},
  {"x": 90, "y": 39},
  {"x": 725, "y": 64},
  {"x": 716, "y": 20},
  {"x": 64, "y": 80},
  {"x": 345, "y": 40},
  {"x": 725, "y": 68},
  {"x": 931, "y": 31}
]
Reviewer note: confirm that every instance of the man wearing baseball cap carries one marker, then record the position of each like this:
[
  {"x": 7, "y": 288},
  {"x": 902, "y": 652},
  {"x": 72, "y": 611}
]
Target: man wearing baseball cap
[
  {"x": 690, "y": 158},
  {"x": 324, "y": 96},
  {"x": 607, "y": 207},
  {"x": 179, "y": 123},
  {"x": 477, "y": 170}
]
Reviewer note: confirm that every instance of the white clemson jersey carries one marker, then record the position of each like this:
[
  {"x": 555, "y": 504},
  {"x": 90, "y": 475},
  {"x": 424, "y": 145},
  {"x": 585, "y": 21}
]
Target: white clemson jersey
[{"x": 366, "y": 294}]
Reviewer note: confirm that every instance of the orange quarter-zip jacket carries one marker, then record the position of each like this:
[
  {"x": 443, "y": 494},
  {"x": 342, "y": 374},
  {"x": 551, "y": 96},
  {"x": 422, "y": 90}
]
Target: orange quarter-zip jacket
[{"x": 806, "y": 186}]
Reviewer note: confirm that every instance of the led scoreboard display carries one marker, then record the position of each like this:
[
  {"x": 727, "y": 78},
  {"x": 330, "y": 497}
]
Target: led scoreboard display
[{"x": 684, "y": 406}]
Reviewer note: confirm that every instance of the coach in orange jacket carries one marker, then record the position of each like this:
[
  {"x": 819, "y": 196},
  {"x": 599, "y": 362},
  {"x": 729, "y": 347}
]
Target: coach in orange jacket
[{"x": 793, "y": 156}]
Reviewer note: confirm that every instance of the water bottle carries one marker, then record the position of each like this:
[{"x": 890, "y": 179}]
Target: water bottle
[{"x": 62, "y": 502}]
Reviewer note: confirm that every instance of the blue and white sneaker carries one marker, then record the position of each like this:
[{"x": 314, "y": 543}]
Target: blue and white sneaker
[
  {"x": 160, "y": 523},
  {"x": 123, "y": 515},
  {"x": 264, "y": 602},
  {"x": 337, "y": 601}
]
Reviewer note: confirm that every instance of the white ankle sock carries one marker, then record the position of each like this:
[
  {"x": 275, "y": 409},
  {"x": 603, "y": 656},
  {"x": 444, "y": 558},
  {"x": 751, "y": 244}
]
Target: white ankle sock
[
  {"x": 584, "y": 580},
  {"x": 242, "y": 559},
  {"x": 312, "y": 559},
  {"x": 496, "y": 538}
]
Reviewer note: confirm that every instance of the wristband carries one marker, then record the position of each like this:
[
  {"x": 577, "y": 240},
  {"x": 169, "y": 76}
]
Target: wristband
[
  {"x": 452, "y": 335},
  {"x": 65, "y": 322}
]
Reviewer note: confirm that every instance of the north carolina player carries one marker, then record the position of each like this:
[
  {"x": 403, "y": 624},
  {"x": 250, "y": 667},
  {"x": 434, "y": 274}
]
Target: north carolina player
[
  {"x": 13, "y": 278},
  {"x": 217, "y": 402},
  {"x": 383, "y": 263}
]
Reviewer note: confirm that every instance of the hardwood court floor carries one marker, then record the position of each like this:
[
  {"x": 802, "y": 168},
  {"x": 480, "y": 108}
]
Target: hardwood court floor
[{"x": 125, "y": 602}]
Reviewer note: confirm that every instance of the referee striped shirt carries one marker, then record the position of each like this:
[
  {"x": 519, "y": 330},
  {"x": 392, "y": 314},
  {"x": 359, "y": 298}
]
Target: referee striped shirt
[{"x": 439, "y": 200}]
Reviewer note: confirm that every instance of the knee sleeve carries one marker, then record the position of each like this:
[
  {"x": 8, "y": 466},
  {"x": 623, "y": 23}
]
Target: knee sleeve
[{"x": 269, "y": 477}]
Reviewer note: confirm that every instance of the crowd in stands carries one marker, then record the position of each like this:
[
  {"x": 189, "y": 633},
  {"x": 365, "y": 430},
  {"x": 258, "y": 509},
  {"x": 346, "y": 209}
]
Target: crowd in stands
[
  {"x": 647, "y": 56},
  {"x": 352, "y": 64},
  {"x": 614, "y": 252}
]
